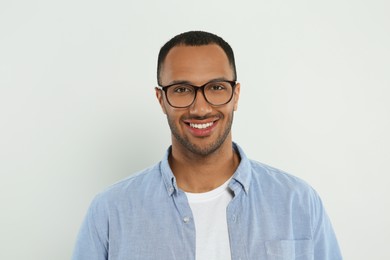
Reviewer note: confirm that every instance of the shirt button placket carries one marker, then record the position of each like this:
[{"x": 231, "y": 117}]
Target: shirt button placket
[
  {"x": 237, "y": 253},
  {"x": 186, "y": 220}
]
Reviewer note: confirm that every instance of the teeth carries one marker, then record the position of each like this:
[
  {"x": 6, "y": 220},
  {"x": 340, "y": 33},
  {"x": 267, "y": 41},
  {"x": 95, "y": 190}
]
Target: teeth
[{"x": 201, "y": 126}]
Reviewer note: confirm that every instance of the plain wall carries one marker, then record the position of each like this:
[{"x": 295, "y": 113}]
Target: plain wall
[{"x": 78, "y": 110}]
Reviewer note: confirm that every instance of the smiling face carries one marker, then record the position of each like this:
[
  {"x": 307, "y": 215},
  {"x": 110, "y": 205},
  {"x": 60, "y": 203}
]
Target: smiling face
[{"x": 200, "y": 128}]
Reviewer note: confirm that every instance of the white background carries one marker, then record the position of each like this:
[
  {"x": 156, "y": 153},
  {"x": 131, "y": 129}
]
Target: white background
[{"x": 78, "y": 111}]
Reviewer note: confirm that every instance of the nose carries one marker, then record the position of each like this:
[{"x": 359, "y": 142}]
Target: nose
[{"x": 200, "y": 106}]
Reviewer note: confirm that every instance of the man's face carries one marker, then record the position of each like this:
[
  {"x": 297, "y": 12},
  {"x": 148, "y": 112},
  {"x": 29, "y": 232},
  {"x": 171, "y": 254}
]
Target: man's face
[{"x": 200, "y": 128}]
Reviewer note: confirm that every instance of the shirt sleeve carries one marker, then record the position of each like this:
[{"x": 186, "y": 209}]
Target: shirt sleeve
[
  {"x": 324, "y": 238},
  {"x": 92, "y": 240}
]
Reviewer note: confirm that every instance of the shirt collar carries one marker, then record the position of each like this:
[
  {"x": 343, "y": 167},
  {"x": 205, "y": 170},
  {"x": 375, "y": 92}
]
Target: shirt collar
[
  {"x": 167, "y": 174},
  {"x": 242, "y": 174}
]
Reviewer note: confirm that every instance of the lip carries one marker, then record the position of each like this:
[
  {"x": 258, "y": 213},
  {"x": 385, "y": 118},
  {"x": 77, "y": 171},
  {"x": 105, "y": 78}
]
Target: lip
[{"x": 205, "y": 130}]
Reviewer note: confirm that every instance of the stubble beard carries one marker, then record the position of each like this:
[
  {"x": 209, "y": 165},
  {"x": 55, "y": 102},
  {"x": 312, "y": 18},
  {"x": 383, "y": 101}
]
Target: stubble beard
[{"x": 196, "y": 149}]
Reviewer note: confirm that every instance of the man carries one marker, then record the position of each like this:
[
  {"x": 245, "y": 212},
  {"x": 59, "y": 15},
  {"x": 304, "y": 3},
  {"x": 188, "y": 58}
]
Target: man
[{"x": 205, "y": 199}]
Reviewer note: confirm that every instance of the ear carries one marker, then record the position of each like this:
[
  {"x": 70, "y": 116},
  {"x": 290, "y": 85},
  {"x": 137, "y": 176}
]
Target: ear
[
  {"x": 236, "y": 95},
  {"x": 160, "y": 98}
]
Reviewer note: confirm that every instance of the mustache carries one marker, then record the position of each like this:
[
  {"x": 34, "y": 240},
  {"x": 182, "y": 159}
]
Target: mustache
[{"x": 195, "y": 117}]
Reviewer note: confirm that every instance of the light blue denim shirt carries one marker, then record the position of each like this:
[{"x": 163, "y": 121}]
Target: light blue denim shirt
[{"x": 272, "y": 215}]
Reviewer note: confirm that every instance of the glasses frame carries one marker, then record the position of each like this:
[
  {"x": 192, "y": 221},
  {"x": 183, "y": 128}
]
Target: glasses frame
[{"x": 233, "y": 83}]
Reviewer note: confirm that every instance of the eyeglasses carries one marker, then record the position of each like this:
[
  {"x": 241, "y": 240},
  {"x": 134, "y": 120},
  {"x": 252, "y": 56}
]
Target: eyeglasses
[{"x": 216, "y": 93}]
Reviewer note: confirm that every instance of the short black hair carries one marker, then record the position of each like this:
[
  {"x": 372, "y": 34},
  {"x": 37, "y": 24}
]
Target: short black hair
[{"x": 195, "y": 38}]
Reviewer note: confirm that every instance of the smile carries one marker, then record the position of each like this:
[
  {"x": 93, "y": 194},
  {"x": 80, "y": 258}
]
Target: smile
[{"x": 201, "y": 126}]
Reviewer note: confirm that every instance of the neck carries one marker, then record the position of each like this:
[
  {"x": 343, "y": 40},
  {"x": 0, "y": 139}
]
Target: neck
[{"x": 201, "y": 173}]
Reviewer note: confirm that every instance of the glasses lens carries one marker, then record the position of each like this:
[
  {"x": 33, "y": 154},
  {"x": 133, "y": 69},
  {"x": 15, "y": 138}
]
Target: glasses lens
[
  {"x": 216, "y": 93},
  {"x": 181, "y": 95}
]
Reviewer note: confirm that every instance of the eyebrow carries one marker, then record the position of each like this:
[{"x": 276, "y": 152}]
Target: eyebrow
[{"x": 191, "y": 83}]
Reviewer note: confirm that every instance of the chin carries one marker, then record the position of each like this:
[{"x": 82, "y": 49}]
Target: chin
[{"x": 203, "y": 148}]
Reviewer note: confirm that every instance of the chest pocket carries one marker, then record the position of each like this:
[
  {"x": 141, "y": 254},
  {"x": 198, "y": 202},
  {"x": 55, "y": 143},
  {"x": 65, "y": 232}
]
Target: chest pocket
[{"x": 289, "y": 250}]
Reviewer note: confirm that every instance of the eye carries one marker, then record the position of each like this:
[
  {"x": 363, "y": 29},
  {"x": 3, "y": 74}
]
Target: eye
[
  {"x": 217, "y": 87},
  {"x": 182, "y": 89}
]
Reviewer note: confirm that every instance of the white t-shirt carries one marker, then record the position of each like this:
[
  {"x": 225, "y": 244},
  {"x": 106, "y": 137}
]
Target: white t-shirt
[{"x": 209, "y": 212}]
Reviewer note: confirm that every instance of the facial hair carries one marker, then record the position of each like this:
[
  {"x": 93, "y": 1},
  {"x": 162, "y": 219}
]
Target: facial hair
[{"x": 202, "y": 151}]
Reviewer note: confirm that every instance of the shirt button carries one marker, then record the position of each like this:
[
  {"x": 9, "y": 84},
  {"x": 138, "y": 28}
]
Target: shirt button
[
  {"x": 186, "y": 219},
  {"x": 234, "y": 218},
  {"x": 171, "y": 189}
]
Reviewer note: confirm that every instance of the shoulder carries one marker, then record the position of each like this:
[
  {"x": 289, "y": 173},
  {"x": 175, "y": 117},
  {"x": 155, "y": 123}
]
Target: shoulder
[
  {"x": 285, "y": 190},
  {"x": 129, "y": 189},
  {"x": 278, "y": 181},
  {"x": 267, "y": 179}
]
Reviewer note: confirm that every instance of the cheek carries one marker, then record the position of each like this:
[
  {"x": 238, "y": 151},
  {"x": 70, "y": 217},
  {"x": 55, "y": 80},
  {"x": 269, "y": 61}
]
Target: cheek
[{"x": 173, "y": 115}]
